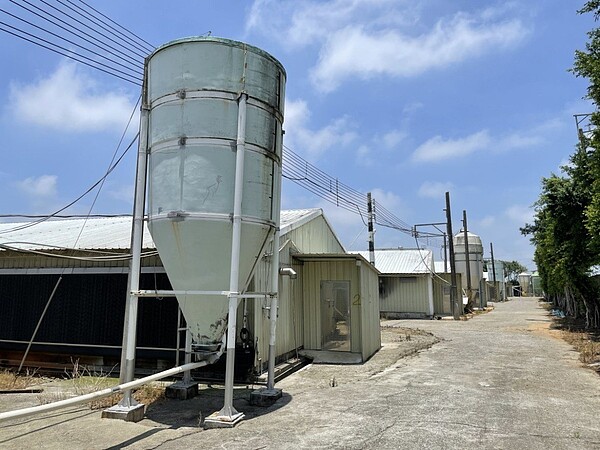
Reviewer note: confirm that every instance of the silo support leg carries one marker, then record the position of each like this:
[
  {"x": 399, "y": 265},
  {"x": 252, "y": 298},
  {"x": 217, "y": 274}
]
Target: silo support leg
[
  {"x": 185, "y": 388},
  {"x": 228, "y": 416}
]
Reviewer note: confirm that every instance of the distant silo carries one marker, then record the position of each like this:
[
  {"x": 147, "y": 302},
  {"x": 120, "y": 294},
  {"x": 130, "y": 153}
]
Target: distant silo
[{"x": 475, "y": 256}]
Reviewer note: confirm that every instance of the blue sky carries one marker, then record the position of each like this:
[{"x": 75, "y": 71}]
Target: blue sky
[{"x": 404, "y": 99}]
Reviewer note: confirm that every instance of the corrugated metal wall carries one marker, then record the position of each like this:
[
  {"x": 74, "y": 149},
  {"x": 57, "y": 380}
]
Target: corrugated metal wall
[
  {"x": 369, "y": 299},
  {"x": 405, "y": 294},
  {"x": 19, "y": 260},
  {"x": 290, "y": 318},
  {"x": 312, "y": 237},
  {"x": 441, "y": 293},
  {"x": 316, "y": 271},
  {"x": 315, "y": 237}
]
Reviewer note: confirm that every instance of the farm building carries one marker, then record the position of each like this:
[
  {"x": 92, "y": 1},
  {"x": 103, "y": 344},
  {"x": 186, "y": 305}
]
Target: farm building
[
  {"x": 331, "y": 305},
  {"x": 408, "y": 285}
]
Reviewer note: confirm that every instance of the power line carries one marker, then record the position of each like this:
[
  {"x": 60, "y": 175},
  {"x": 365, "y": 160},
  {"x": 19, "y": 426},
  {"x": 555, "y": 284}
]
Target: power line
[
  {"x": 73, "y": 29},
  {"x": 90, "y": 189},
  {"x": 300, "y": 171},
  {"x": 135, "y": 36},
  {"x": 98, "y": 22},
  {"x": 76, "y": 20},
  {"x": 134, "y": 69},
  {"x": 69, "y": 55}
]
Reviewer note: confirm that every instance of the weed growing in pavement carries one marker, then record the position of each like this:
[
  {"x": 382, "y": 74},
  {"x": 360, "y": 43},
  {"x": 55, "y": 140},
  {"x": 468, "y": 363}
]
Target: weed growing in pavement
[{"x": 10, "y": 380}]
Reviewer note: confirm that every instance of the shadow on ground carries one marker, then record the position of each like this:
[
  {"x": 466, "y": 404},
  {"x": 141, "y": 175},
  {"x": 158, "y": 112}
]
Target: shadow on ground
[{"x": 174, "y": 413}]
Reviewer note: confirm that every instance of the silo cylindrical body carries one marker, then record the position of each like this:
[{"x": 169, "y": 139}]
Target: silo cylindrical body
[
  {"x": 193, "y": 90},
  {"x": 475, "y": 248}
]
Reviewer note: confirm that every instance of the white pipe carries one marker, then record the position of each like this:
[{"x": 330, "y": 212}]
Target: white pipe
[
  {"x": 228, "y": 411},
  {"x": 288, "y": 271},
  {"x": 167, "y": 293},
  {"x": 106, "y": 392},
  {"x": 131, "y": 313},
  {"x": 274, "y": 279},
  {"x": 273, "y": 312}
]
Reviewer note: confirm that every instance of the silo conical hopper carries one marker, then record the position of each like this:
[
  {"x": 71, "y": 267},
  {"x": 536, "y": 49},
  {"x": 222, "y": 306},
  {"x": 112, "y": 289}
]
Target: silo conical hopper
[{"x": 194, "y": 86}]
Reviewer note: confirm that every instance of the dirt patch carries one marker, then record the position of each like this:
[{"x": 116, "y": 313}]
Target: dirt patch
[
  {"x": 572, "y": 330},
  {"x": 544, "y": 329}
]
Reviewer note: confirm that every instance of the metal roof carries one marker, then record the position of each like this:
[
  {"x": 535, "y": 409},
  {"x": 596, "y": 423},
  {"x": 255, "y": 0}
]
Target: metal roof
[
  {"x": 401, "y": 260},
  {"x": 97, "y": 233},
  {"x": 439, "y": 266}
]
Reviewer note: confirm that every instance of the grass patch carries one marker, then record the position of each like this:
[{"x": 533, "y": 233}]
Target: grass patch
[
  {"x": 10, "y": 380},
  {"x": 82, "y": 380}
]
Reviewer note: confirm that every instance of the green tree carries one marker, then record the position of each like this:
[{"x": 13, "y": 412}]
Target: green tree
[
  {"x": 566, "y": 228},
  {"x": 512, "y": 269}
]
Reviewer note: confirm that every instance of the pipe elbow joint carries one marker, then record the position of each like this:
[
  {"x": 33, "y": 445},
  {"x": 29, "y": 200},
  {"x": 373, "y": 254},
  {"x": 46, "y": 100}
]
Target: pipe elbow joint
[{"x": 288, "y": 271}]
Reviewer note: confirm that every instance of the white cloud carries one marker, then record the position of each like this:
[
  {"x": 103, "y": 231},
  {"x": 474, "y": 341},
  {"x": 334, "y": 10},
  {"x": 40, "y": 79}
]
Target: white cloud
[
  {"x": 369, "y": 38},
  {"x": 357, "y": 51},
  {"x": 534, "y": 136},
  {"x": 520, "y": 214},
  {"x": 124, "y": 193},
  {"x": 41, "y": 187},
  {"x": 311, "y": 144},
  {"x": 390, "y": 200},
  {"x": 309, "y": 22},
  {"x": 487, "y": 222},
  {"x": 393, "y": 138},
  {"x": 434, "y": 189},
  {"x": 363, "y": 156},
  {"x": 70, "y": 100},
  {"x": 438, "y": 149}
]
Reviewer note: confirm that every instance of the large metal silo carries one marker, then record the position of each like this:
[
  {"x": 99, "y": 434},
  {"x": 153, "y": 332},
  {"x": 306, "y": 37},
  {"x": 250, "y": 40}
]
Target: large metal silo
[{"x": 211, "y": 101}]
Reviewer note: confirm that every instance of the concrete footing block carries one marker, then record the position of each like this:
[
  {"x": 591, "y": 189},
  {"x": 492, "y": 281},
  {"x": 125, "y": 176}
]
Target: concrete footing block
[
  {"x": 265, "y": 397},
  {"x": 128, "y": 414},
  {"x": 181, "y": 390},
  {"x": 215, "y": 420}
]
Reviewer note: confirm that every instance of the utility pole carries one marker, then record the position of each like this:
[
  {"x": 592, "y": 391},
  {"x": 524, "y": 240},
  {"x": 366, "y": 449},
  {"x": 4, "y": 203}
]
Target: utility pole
[
  {"x": 370, "y": 228},
  {"x": 456, "y": 309},
  {"x": 493, "y": 269},
  {"x": 467, "y": 262}
]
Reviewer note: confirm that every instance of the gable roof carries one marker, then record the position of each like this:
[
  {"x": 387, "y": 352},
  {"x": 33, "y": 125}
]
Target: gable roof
[
  {"x": 402, "y": 261},
  {"x": 96, "y": 233}
]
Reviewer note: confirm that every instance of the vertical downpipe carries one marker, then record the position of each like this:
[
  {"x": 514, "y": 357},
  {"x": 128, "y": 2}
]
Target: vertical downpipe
[
  {"x": 131, "y": 308},
  {"x": 274, "y": 279},
  {"x": 228, "y": 409}
]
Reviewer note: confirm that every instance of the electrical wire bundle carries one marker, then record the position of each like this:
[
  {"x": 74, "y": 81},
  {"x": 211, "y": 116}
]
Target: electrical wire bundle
[{"x": 78, "y": 31}]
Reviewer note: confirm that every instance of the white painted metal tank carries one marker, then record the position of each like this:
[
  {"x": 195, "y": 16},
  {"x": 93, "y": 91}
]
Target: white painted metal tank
[{"x": 194, "y": 85}]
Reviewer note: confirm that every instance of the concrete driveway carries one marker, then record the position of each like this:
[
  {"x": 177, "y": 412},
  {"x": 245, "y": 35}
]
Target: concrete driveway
[{"x": 500, "y": 380}]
